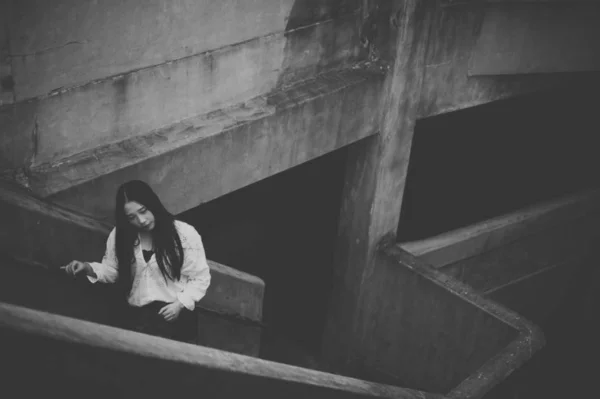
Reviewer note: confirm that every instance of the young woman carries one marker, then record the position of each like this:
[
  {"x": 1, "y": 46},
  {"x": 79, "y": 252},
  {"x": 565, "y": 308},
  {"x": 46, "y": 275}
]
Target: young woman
[{"x": 159, "y": 262}]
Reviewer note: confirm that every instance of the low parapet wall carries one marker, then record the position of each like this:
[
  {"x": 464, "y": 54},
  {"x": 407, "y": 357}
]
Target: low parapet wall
[
  {"x": 68, "y": 357},
  {"x": 525, "y": 259},
  {"x": 40, "y": 236}
]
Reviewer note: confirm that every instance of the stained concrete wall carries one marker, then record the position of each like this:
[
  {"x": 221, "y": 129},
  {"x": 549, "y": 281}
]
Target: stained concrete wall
[
  {"x": 81, "y": 74},
  {"x": 202, "y": 160},
  {"x": 454, "y": 35},
  {"x": 89, "y": 73},
  {"x": 63, "y": 43},
  {"x": 85, "y": 76},
  {"x": 6, "y": 79},
  {"x": 533, "y": 39}
]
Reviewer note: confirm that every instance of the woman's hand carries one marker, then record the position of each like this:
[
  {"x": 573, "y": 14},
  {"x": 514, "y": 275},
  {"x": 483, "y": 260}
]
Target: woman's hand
[
  {"x": 171, "y": 311},
  {"x": 76, "y": 267}
]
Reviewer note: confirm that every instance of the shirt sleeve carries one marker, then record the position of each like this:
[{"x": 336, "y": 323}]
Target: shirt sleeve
[
  {"x": 107, "y": 270},
  {"x": 195, "y": 273}
]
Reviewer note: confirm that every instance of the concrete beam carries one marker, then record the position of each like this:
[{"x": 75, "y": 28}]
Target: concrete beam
[
  {"x": 109, "y": 110},
  {"x": 447, "y": 85},
  {"x": 64, "y": 43},
  {"x": 202, "y": 158}
]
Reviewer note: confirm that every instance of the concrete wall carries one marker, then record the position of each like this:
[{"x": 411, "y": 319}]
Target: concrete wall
[
  {"x": 427, "y": 74},
  {"x": 6, "y": 79},
  {"x": 64, "y": 43},
  {"x": 89, "y": 73},
  {"x": 455, "y": 33},
  {"x": 82, "y": 74},
  {"x": 545, "y": 272},
  {"x": 533, "y": 39},
  {"x": 203, "y": 159},
  {"x": 53, "y": 349},
  {"x": 89, "y": 78}
]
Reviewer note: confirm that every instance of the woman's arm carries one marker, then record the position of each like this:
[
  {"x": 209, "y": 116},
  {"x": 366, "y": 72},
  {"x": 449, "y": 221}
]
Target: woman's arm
[
  {"x": 195, "y": 273},
  {"x": 106, "y": 271}
]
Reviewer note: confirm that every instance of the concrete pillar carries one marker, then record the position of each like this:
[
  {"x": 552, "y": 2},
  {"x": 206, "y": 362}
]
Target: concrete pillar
[{"x": 375, "y": 181}]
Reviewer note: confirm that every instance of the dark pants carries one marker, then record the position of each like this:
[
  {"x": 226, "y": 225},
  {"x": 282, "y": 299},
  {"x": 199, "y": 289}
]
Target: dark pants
[{"x": 146, "y": 320}]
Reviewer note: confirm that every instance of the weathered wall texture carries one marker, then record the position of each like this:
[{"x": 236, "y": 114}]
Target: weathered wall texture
[
  {"x": 538, "y": 39},
  {"x": 230, "y": 151},
  {"x": 163, "y": 72},
  {"x": 86, "y": 75},
  {"x": 63, "y": 43},
  {"x": 455, "y": 32},
  {"x": 6, "y": 80},
  {"x": 101, "y": 72},
  {"x": 374, "y": 185}
]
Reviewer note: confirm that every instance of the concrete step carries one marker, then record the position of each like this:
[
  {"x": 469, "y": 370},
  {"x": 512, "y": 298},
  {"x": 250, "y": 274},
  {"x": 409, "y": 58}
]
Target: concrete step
[{"x": 209, "y": 155}]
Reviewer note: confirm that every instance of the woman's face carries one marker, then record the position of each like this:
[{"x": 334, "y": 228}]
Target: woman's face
[{"x": 139, "y": 216}]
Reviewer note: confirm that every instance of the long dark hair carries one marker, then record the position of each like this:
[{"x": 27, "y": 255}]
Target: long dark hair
[{"x": 167, "y": 244}]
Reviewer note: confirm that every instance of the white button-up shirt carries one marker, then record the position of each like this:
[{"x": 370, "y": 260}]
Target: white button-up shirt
[{"x": 148, "y": 282}]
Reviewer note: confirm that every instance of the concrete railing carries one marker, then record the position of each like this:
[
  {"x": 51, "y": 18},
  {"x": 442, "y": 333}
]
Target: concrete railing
[
  {"x": 531, "y": 260},
  {"x": 64, "y": 355},
  {"x": 472, "y": 240},
  {"x": 44, "y": 236}
]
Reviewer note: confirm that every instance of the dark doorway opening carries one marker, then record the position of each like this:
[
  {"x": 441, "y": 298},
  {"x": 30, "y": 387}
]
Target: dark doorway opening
[
  {"x": 283, "y": 230},
  {"x": 485, "y": 161}
]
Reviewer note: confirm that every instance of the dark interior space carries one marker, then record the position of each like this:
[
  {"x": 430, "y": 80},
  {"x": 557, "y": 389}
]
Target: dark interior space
[
  {"x": 564, "y": 368},
  {"x": 474, "y": 164},
  {"x": 281, "y": 229},
  {"x": 471, "y": 165}
]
